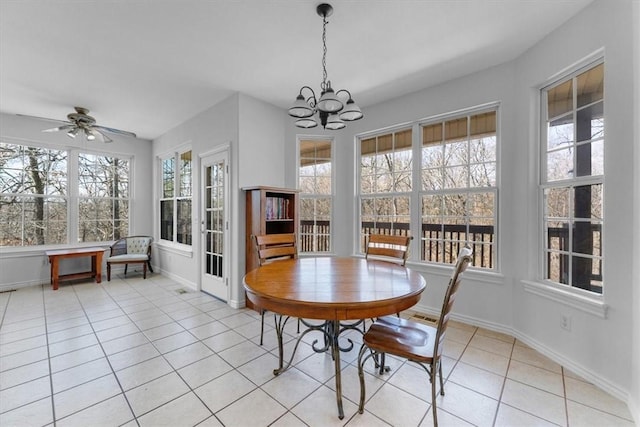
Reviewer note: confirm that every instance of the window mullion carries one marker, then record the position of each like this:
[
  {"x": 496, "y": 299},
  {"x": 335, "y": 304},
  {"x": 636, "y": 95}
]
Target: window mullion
[
  {"x": 73, "y": 200},
  {"x": 176, "y": 190}
]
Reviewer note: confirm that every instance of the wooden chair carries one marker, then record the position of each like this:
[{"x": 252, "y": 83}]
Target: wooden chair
[
  {"x": 131, "y": 250},
  {"x": 413, "y": 341},
  {"x": 388, "y": 248},
  {"x": 273, "y": 248}
]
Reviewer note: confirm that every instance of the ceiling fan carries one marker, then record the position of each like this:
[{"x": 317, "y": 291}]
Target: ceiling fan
[{"x": 81, "y": 123}]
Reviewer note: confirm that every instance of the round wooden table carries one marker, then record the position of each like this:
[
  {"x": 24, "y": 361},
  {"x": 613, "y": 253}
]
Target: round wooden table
[{"x": 332, "y": 289}]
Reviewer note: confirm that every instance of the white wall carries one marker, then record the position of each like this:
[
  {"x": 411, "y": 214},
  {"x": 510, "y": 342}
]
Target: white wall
[
  {"x": 256, "y": 158},
  {"x": 261, "y": 163},
  {"x": 214, "y": 127},
  {"x": 495, "y": 84},
  {"x": 634, "y": 399},
  {"x": 598, "y": 348},
  {"x": 605, "y": 350},
  {"x": 29, "y": 266}
]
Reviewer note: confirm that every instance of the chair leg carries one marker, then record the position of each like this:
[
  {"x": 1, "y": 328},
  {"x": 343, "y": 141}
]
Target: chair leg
[
  {"x": 441, "y": 380},
  {"x": 298, "y": 325},
  {"x": 125, "y": 269},
  {"x": 149, "y": 264},
  {"x": 144, "y": 270},
  {"x": 261, "y": 326},
  {"x": 108, "y": 272},
  {"x": 432, "y": 375},
  {"x": 361, "y": 376},
  {"x": 382, "y": 362}
]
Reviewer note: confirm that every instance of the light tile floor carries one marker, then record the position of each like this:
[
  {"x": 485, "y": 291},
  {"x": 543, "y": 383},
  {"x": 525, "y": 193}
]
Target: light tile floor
[{"x": 140, "y": 352}]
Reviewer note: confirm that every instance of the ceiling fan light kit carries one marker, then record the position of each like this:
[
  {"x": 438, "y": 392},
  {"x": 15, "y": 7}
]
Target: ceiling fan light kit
[
  {"x": 332, "y": 111},
  {"x": 81, "y": 123}
]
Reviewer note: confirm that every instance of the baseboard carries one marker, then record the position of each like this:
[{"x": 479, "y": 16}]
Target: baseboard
[
  {"x": 191, "y": 285},
  {"x": 634, "y": 407},
  {"x": 585, "y": 373},
  {"x": 7, "y": 287}
]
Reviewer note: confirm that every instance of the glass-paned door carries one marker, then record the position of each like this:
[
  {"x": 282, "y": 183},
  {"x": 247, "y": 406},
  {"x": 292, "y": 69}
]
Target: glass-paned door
[{"x": 215, "y": 225}]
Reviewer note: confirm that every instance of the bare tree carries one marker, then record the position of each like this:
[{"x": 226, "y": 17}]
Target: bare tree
[{"x": 32, "y": 195}]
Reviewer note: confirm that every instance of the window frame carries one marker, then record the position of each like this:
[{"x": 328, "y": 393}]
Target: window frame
[
  {"x": 416, "y": 194},
  {"x": 314, "y": 196},
  {"x": 175, "y": 155},
  {"x": 72, "y": 197},
  {"x": 584, "y": 299},
  {"x": 66, "y": 197},
  {"x": 466, "y": 113},
  {"x": 360, "y": 238},
  {"x": 78, "y": 198}
]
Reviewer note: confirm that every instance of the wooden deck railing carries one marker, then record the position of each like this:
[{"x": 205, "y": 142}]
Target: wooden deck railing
[
  {"x": 452, "y": 237},
  {"x": 315, "y": 238}
]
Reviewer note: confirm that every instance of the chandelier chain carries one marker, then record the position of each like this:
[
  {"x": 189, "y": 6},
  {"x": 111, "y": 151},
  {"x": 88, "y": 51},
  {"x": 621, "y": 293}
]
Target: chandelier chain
[{"x": 323, "y": 86}]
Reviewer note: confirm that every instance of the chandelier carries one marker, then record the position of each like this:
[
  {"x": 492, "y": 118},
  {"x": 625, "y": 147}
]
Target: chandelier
[{"x": 332, "y": 111}]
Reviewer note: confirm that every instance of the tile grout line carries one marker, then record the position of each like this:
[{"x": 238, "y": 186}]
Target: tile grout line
[
  {"x": 46, "y": 335},
  {"x": 504, "y": 383},
  {"x": 174, "y": 370},
  {"x": 564, "y": 391},
  {"x": 105, "y": 356}
]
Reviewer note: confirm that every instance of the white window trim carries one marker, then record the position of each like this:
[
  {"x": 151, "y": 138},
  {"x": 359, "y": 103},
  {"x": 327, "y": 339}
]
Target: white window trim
[
  {"x": 571, "y": 297},
  {"x": 172, "y": 245},
  {"x": 72, "y": 196},
  {"x": 333, "y": 188},
  {"x": 411, "y": 195},
  {"x": 589, "y": 302},
  {"x": 416, "y": 193}
]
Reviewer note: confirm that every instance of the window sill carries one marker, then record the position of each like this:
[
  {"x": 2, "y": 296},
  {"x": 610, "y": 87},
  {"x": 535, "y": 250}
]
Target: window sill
[
  {"x": 176, "y": 248},
  {"x": 31, "y": 251},
  {"x": 591, "y": 305},
  {"x": 475, "y": 274}
]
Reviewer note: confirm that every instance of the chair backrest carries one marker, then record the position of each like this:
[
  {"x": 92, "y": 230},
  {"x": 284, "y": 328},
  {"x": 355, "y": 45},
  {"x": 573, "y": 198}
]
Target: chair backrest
[
  {"x": 392, "y": 248},
  {"x": 463, "y": 261},
  {"x": 139, "y": 244},
  {"x": 271, "y": 247}
]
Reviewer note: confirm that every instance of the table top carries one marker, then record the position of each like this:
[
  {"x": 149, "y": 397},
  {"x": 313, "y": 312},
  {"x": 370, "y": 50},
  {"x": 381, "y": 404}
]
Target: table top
[
  {"x": 71, "y": 251},
  {"x": 334, "y": 288}
]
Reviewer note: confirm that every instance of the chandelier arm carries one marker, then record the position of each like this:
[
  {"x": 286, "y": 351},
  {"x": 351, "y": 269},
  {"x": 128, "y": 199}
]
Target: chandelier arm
[{"x": 312, "y": 100}]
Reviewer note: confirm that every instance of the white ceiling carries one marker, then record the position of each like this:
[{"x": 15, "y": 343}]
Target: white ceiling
[{"x": 148, "y": 65}]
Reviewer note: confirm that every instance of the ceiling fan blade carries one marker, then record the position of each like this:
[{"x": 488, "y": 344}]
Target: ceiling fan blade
[
  {"x": 104, "y": 137},
  {"x": 59, "y": 128},
  {"x": 114, "y": 131},
  {"x": 43, "y": 118}
]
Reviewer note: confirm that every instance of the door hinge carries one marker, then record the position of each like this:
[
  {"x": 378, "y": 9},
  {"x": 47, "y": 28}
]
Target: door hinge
[
  {"x": 227, "y": 224},
  {"x": 227, "y": 166},
  {"x": 226, "y": 281}
]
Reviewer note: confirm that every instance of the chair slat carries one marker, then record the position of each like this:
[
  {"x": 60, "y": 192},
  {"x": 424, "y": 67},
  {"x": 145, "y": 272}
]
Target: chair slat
[
  {"x": 388, "y": 246},
  {"x": 414, "y": 341}
]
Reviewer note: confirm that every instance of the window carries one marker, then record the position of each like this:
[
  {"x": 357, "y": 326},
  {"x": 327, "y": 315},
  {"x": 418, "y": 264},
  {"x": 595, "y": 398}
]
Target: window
[
  {"x": 451, "y": 195},
  {"x": 175, "y": 200},
  {"x": 572, "y": 179},
  {"x": 316, "y": 193},
  {"x": 458, "y": 188},
  {"x": 385, "y": 184},
  {"x": 103, "y": 198},
  {"x": 33, "y": 195},
  {"x": 41, "y": 204}
]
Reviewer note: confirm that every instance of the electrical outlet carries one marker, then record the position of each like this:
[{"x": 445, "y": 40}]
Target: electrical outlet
[{"x": 565, "y": 322}]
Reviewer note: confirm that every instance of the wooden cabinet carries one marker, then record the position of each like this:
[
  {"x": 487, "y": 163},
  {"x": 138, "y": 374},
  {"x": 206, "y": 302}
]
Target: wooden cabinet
[{"x": 270, "y": 210}]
